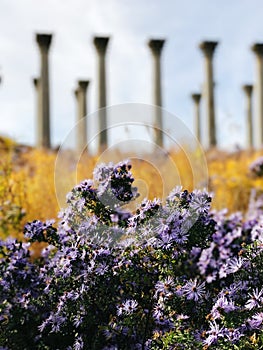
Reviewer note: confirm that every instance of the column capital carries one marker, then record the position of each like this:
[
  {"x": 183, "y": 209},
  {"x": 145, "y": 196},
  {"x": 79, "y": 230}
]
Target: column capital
[
  {"x": 76, "y": 92},
  {"x": 101, "y": 43},
  {"x": 83, "y": 84},
  {"x": 44, "y": 41},
  {"x": 257, "y": 48},
  {"x": 156, "y": 46},
  {"x": 36, "y": 81},
  {"x": 196, "y": 97},
  {"x": 248, "y": 89},
  {"x": 208, "y": 47}
]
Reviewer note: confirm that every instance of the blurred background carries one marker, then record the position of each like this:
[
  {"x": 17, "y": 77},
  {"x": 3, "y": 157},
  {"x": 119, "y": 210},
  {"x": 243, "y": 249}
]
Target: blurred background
[{"x": 236, "y": 25}]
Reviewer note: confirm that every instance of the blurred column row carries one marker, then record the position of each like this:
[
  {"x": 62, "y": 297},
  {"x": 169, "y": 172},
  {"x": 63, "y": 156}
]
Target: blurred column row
[{"x": 156, "y": 45}]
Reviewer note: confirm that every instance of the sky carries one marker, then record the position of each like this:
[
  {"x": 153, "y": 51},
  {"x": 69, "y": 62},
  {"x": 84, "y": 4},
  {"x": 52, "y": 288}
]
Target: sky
[{"x": 236, "y": 24}]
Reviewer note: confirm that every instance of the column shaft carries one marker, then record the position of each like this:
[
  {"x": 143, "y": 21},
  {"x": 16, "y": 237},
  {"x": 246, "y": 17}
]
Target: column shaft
[
  {"x": 81, "y": 136},
  {"x": 157, "y": 81},
  {"x": 101, "y": 47},
  {"x": 156, "y": 46},
  {"x": 248, "y": 89},
  {"x": 210, "y": 105},
  {"x": 158, "y": 101},
  {"x": 258, "y": 50},
  {"x": 197, "y": 120},
  {"x": 39, "y": 124},
  {"x": 102, "y": 102},
  {"x": 259, "y": 87},
  {"x": 208, "y": 48},
  {"x": 44, "y": 41},
  {"x": 44, "y": 99}
]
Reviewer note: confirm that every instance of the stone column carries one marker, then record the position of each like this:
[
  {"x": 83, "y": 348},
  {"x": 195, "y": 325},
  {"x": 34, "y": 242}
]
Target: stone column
[
  {"x": 44, "y": 41},
  {"x": 208, "y": 48},
  {"x": 248, "y": 89},
  {"x": 39, "y": 126},
  {"x": 156, "y": 49},
  {"x": 101, "y": 47},
  {"x": 81, "y": 136},
  {"x": 197, "y": 125},
  {"x": 258, "y": 50}
]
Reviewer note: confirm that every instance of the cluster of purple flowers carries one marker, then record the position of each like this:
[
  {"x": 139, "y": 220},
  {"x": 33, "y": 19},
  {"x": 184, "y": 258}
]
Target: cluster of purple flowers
[{"x": 171, "y": 275}]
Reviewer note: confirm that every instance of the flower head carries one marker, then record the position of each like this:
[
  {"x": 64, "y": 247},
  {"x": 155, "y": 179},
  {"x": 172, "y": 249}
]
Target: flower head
[
  {"x": 193, "y": 290},
  {"x": 127, "y": 307}
]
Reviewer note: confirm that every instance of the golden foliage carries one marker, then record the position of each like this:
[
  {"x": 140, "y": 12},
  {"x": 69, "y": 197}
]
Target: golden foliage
[
  {"x": 27, "y": 179},
  {"x": 231, "y": 181}
]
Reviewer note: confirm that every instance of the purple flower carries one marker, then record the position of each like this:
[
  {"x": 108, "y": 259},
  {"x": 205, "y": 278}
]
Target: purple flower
[
  {"x": 84, "y": 186},
  {"x": 165, "y": 287},
  {"x": 78, "y": 344},
  {"x": 164, "y": 241},
  {"x": 36, "y": 230},
  {"x": 102, "y": 268},
  {"x": 234, "y": 334},
  {"x": 45, "y": 252},
  {"x": 235, "y": 264},
  {"x": 180, "y": 236},
  {"x": 158, "y": 311},
  {"x": 77, "y": 320},
  {"x": 56, "y": 322},
  {"x": 222, "y": 304},
  {"x": 256, "y": 167},
  {"x": 43, "y": 326},
  {"x": 255, "y": 208},
  {"x": 214, "y": 333},
  {"x": 115, "y": 180},
  {"x": 257, "y": 232},
  {"x": 256, "y": 321},
  {"x": 200, "y": 202},
  {"x": 256, "y": 299},
  {"x": 127, "y": 307},
  {"x": 233, "y": 290},
  {"x": 193, "y": 290},
  {"x": 175, "y": 194}
]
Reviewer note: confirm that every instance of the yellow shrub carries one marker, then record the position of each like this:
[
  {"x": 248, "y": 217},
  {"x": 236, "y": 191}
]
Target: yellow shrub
[{"x": 27, "y": 179}]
